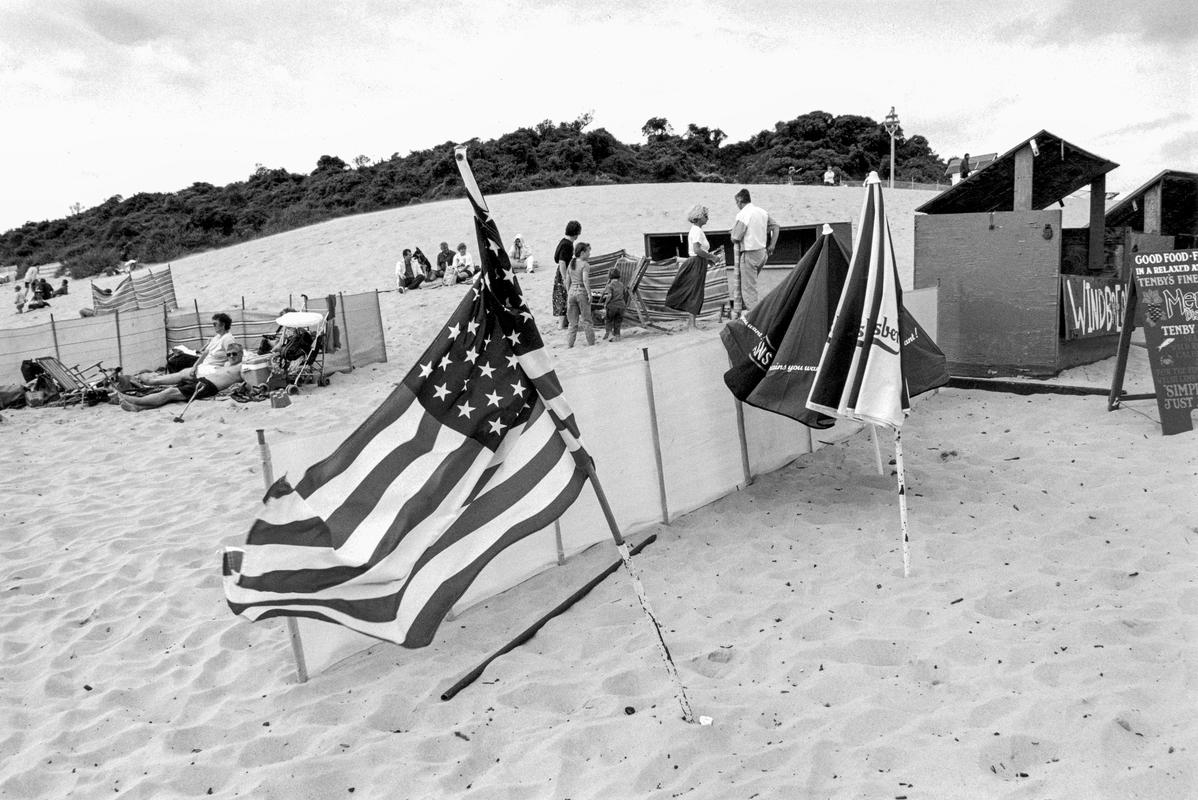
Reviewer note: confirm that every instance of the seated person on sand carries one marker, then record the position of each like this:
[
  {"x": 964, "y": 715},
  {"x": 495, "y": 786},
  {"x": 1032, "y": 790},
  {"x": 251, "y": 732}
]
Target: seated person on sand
[
  {"x": 271, "y": 341},
  {"x": 210, "y": 360},
  {"x": 521, "y": 253},
  {"x": 444, "y": 261},
  {"x": 63, "y": 289},
  {"x": 408, "y": 274},
  {"x": 217, "y": 380},
  {"x": 462, "y": 269}
]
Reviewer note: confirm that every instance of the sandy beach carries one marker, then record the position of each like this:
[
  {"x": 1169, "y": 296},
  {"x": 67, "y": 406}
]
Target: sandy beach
[{"x": 1044, "y": 646}]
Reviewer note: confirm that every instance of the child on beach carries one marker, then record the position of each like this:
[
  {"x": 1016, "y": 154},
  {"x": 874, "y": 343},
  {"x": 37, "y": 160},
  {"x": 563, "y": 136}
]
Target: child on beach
[
  {"x": 578, "y": 295},
  {"x": 615, "y": 303}
]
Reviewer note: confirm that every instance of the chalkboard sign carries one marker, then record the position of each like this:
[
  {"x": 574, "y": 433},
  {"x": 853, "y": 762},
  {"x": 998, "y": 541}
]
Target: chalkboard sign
[
  {"x": 1167, "y": 285},
  {"x": 1091, "y": 307}
]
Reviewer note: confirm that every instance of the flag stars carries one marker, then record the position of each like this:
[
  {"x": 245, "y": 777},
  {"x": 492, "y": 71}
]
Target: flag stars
[
  {"x": 496, "y": 426},
  {"x": 454, "y": 330},
  {"x": 445, "y": 362},
  {"x": 512, "y": 360},
  {"x": 485, "y": 370},
  {"x": 442, "y": 391},
  {"x": 426, "y": 369},
  {"x": 514, "y": 338},
  {"x": 472, "y": 326},
  {"x": 493, "y": 399},
  {"x": 465, "y": 410},
  {"x": 518, "y": 388},
  {"x": 472, "y": 356}
]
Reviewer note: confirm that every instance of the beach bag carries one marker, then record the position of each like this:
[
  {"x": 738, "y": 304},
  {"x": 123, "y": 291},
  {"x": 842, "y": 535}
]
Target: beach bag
[
  {"x": 12, "y": 396},
  {"x": 178, "y": 360}
]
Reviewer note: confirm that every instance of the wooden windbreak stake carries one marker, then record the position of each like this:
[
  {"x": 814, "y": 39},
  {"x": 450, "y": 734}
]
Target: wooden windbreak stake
[
  {"x": 557, "y": 538},
  {"x": 656, "y": 435},
  {"x": 297, "y": 645},
  {"x": 873, "y": 434}
]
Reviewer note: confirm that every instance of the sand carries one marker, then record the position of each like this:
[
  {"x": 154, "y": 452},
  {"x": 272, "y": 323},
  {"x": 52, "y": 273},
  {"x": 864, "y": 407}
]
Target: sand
[{"x": 1044, "y": 645}]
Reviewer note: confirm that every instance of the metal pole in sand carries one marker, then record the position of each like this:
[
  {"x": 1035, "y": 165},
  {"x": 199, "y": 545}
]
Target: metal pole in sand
[
  {"x": 873, "y": 434},
  {"x": 902, "y": 495},
  {"x": 297, "y": 645},
  {"x": 626, "y": 557},
  {"x": 653, "y": 430}
]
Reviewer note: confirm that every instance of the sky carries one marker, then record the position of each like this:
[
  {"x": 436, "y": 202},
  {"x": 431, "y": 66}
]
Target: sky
[{"x": 114, "y": 97}]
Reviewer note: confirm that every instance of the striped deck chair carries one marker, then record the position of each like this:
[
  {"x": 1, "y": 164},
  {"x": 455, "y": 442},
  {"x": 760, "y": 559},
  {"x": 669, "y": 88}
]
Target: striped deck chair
[
  {"x": 72, "y": 381},
  {"x": 653, "y": 281},
  {"x": 598, "y": 272}
]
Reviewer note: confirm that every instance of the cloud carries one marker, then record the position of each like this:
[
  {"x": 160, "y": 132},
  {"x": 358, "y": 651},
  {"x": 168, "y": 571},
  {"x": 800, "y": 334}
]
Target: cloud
[
  {"x": 1079, "y": 22},
  {"x": 120, "y": 25},
  {"x": 1150, "y": 126},
  {"x": 1181, "y": 151}
]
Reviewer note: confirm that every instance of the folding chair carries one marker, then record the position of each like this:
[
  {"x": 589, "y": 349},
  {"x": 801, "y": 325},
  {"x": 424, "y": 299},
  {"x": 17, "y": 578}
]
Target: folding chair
[{"x": 72, "y": 381}]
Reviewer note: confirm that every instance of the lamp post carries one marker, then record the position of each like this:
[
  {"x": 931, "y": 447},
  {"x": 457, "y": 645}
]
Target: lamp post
[{"x": 891, "y": 124}]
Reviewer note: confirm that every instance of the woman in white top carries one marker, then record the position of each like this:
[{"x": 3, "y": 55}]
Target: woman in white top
[{"x": 687, "y": 292}]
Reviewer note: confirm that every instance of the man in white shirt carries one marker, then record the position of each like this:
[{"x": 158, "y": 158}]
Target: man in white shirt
[
  {"x": 407, "y": 276},
  {"x": 829, "y": 176},
  {"x": 754, "y": 237}
]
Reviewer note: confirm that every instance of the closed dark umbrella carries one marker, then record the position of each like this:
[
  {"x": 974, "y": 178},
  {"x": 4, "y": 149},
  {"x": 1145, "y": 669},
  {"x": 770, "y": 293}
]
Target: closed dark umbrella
[{"x": 774, "y": 351}]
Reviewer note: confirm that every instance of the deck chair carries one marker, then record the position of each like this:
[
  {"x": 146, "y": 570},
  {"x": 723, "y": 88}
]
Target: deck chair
[{"x": 73, "y": 382}]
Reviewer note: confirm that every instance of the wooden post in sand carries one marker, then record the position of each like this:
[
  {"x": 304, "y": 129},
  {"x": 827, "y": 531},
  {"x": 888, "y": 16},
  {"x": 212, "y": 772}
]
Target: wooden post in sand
[
  {"x": 626, "y": 557},
  {"x": 349, "y": 351},
  {"x": 199, "y": 325},
  {"x": 120, "y": 353},
  {"x": 661, "y": 472},
  {"x": 873, "y": 435},
  {"x": 297, "y": 646},
  {"x": 557, "y": 538},
  {"x": 54, "y": 334}
]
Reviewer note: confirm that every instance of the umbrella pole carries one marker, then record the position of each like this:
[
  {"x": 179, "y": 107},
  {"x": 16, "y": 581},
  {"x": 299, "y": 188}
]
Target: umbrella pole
[
  {"x": 902, "y": 497},
  {"x": 873, "y": 434},
  {"x": 625, "y": 556}
]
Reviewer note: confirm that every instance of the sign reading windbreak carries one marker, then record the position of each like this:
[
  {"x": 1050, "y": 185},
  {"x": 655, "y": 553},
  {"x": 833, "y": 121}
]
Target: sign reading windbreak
[
  {"x": 1168, "y": 291},
  {"x": 1091, "y": 306}
]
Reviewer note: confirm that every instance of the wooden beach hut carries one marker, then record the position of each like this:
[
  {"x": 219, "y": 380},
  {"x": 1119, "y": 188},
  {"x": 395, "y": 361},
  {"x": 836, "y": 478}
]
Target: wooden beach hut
[
  {"x": 1161, "y": 214},
  {"x": 1019, "y": 294},
  {"x": 793, "y": 242}
]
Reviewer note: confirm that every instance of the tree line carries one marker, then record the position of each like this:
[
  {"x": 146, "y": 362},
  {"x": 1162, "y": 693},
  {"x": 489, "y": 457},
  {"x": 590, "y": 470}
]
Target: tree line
[{"x": 154, "y": 227}]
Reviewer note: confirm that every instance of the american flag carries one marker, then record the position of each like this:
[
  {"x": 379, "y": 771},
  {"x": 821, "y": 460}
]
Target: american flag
[{"x": 474, "y": 450}]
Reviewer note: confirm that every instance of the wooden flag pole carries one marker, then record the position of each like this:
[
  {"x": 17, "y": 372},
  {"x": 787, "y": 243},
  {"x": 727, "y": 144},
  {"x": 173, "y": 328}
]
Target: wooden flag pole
[
  {"x": 902, "y": 494},
  {"x": 625, "y": 556},
  {"x": 297, "y": 646},
  {"x": 873, "y": 434}
]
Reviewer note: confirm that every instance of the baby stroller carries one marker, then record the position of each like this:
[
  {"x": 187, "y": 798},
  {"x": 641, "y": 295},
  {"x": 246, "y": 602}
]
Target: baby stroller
[{"x": 298, "y": 355}]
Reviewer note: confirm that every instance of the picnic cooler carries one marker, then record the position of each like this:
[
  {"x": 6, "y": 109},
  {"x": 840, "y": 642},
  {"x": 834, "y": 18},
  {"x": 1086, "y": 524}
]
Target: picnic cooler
[{"x": 255, "y": 369}]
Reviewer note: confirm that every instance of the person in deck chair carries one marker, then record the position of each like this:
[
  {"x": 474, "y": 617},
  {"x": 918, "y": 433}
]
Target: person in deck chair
[
  {"x": 216, "y": 380},
  {"x": 211, "y": 358}
]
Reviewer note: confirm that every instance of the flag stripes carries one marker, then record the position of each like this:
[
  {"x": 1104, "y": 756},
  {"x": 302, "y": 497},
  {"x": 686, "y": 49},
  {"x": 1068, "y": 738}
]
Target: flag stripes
[{"x": 474, "y": 450}]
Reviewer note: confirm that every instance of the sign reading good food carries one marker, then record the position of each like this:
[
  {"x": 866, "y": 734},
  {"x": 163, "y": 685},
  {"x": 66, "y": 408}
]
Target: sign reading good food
[
  {"x": 1092, "y": 306},
  {"x": 1168, "y": 291}
]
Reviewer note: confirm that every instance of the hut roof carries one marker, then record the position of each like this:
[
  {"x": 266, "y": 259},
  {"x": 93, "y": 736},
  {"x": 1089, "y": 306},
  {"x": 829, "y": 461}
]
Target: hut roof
[
  {"x": 1060, "y": 169},
  {"x": 1179, "y": 204}
]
